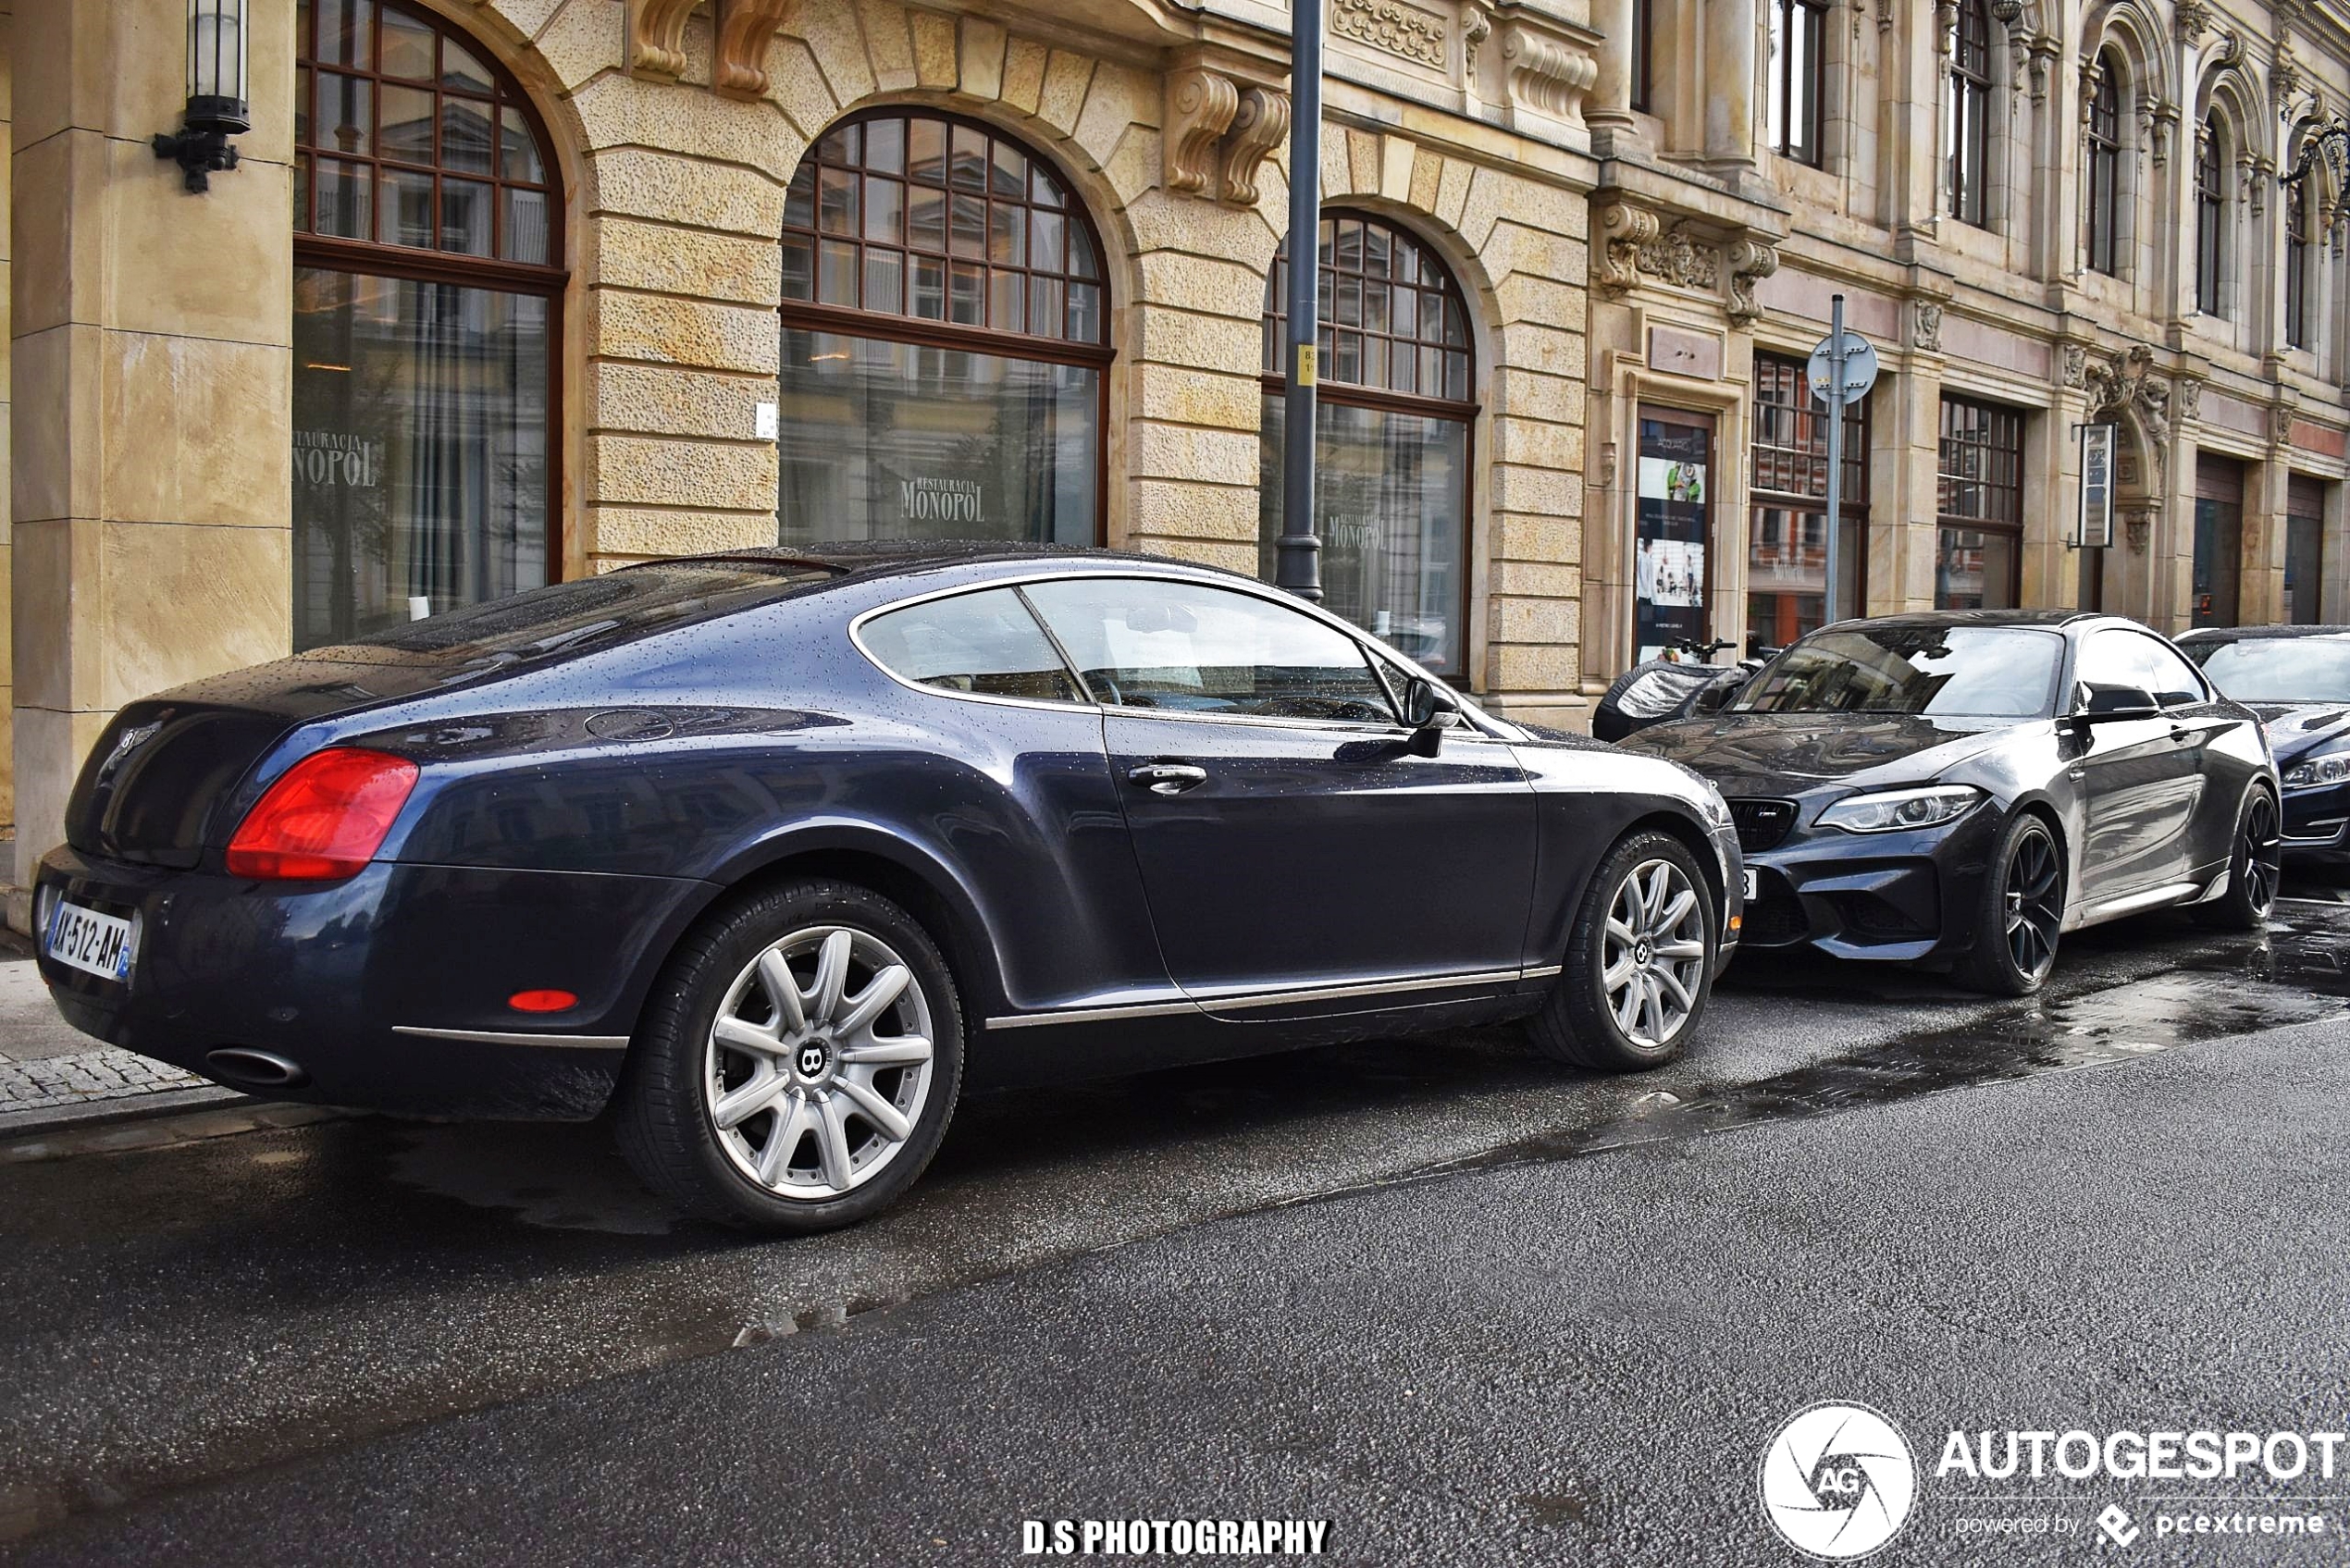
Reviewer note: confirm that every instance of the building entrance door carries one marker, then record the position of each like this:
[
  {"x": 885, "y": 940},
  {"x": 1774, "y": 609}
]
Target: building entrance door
[
  {"x": 2219, "y": 539},
  {"x": 1672, "y": 528}
]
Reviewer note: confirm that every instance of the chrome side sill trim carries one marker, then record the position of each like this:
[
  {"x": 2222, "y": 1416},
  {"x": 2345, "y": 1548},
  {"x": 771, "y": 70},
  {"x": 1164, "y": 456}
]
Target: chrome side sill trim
[
  {"x": 500, "y": 1037},
  {"x": 1094, "y": 1014},
  {"x": 1228, "y": 1001}
]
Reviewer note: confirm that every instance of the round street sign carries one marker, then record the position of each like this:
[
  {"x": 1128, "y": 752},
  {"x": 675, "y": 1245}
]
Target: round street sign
[{"x": 1860, "y": 369}]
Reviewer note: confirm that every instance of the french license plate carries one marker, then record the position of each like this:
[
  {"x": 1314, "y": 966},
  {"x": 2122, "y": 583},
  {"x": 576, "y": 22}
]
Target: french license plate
[
  {"x": 1753, "y": 885},
  {"x": 89, "y": 941}
]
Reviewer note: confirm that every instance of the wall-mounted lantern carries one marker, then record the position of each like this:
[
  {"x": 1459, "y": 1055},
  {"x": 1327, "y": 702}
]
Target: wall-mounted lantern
[{"x": 218, "y": 107}]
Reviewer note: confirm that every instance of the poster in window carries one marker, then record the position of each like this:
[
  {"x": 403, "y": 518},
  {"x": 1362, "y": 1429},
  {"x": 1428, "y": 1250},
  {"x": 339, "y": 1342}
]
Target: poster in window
[
  {"x": 2094, "y": 529},
  {"x": 1670, "y": 536}
]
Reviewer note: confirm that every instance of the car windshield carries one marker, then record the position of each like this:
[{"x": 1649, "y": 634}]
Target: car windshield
[
  {"x": 1950, "y": 672},
  {"x": 2277, "y": 668}
]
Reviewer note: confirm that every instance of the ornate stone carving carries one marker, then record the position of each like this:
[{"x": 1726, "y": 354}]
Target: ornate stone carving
[
  {"x": 1946, "y": 22},
  {"x": 745, "y": 28},
  {"x": 1476, "y": 28},
  {"x": 1926, "y": 326},
  {"x": 1546, "y": 75},
  {"x": 2044, "y": 52},
  {"x": 2190, "y": 403},
  {"x": 2281, "y": 417},
  {"x": 2076, "y": 365},
  {"x": 1258, "y": 126},
  {"x": 1200, "y": 106},
  {"x": 657, "y": 38},
  {"x": 2284, "y": 81},
  {"x": 2230, "y": 51},
  {"x": 2126, "y": 384},
  {"x": 1750, "y": 261},
  {"x": 1678, "y": 258},
  {"x": 2137, "y": 526},
  {"x": 2190, "y": 21},
  {"x": 1625, "y": 229},
  {"x": 1885, "y": 16},
  {"x": 1401, "y": 30},
  {"x": 2161, "y": 120},
  {"x": 2259, "y": 175}
]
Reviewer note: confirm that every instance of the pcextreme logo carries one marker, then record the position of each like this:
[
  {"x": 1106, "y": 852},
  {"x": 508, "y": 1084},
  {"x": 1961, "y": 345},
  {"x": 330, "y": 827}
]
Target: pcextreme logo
[{"x": 1837, "y": 1481}]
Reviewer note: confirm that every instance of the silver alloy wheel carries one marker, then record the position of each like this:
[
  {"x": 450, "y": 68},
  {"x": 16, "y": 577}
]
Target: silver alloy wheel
[
  {"x": 1653, "y": 960},
  {"x": 819, "y": 1063}
]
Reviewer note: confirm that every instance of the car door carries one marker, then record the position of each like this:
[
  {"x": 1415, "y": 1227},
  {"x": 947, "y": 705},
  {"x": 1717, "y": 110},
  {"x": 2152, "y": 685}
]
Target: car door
[
  {"x": 1290, "y": 837},
  {"x": 2140, "y": 781},
  {"x": 2199, "y": 720}
]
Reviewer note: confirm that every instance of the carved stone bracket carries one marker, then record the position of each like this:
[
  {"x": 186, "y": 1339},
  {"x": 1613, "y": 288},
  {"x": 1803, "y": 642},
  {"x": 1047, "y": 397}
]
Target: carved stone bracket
[
  {"x": 2162, "y": 121},
  {"x": 2190, "y": 21},
  {"x": 2282, "y": 415},
  {"x": 2045, "y": 51},
  {"x": 2258, "y": 173},
  {"x": 2190, "y": 398},
  {"x": 2076, "y": 365},
  {"x": 1625, "y": 230},
  {"x": 1946, "y": 23},
  {"x": 1751, "y": 261},
  {"x": 1218, "y": 134},
  {"x": 1547, "y": 74},
  {"x": 1258, "y": 127},
  {"x": 657, "y": 38},
  {"x": 1926, "y": 326},
  {"x": 745, "y": 28},
  {"x": 1201, "y": 105}
]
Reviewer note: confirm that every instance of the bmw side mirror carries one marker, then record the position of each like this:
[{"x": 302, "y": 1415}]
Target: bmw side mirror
[
  {"x": 2117, "y": 702},
  {"x": 1429, "y": 710}
]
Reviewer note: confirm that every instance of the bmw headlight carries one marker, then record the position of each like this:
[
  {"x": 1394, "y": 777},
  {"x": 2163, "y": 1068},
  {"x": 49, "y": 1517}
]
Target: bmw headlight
[
  {"x": 1894, "y": 810},
  {"x": 2313, "y": 771}
]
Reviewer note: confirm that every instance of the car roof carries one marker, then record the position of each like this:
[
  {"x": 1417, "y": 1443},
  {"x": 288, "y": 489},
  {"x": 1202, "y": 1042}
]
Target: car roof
[
  {"x": 872, "y": 558},
  {"x": 2052, "y": 618},
  {"x": 2255, "y": 634}
]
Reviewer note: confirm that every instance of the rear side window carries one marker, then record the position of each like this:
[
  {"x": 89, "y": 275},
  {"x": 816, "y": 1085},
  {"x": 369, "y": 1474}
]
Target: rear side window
[
  {"x": 2119, "y": 657},
  {"x": 1143, "y": 643},
  {"x": 983, "y": 643}
]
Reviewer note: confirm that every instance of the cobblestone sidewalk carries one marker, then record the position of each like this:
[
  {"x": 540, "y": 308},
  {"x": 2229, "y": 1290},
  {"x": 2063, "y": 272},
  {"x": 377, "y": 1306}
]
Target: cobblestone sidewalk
[{"x": 101, "y": 1073}]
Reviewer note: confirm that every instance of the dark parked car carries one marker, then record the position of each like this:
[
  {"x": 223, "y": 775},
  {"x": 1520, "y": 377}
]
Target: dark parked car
[
  {"x": 2298, "y": 680},
  {"x": 1963, "y": 787},
  {"x": 776, "y": 846}
]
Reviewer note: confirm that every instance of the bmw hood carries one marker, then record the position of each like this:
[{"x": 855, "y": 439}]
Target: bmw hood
[
  {"x": 1790, "y": 753},
  {"x": 2297, "y": 729}
]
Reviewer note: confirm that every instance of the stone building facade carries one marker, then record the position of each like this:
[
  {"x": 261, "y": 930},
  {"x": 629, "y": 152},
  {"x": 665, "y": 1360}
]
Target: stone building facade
[
  {"x": 2043, "y": 213},
  {"x": 515, "y": 290}
]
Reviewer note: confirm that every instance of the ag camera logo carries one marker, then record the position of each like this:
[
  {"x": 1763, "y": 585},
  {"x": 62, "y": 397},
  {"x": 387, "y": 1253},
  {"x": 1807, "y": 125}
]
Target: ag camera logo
[{"x": 1837, "y": 1481}]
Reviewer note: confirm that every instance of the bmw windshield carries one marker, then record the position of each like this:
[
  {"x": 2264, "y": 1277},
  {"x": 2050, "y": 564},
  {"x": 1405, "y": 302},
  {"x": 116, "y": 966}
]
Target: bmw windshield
[
  {"x": 2277, "y": 668},
  {"x": 1948, "y": 672}
]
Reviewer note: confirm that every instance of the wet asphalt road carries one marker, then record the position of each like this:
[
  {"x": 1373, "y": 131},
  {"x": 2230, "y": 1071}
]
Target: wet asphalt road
[{"x": 1462, "y": 1304}]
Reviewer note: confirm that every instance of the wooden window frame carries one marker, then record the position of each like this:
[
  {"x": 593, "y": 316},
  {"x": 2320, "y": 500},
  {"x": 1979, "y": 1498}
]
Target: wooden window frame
[
  {"x": 2211, "y": 219},
  {"x": 1996, "y": 434},
  {"x": 376, "y": 258},
  {"x": 2104, "y": 142},
  {"x": 1968, "y": 179},
  {"x": 1801, "y": 98}
]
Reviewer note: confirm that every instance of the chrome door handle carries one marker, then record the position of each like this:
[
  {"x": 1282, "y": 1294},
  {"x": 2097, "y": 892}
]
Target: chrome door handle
[{"x": 1168, "y": 778}]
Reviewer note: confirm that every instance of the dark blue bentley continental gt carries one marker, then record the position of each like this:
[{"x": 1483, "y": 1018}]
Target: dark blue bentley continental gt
[
  {"x": 770, "y": 849},
  {"x": 1961, "y": 787}
]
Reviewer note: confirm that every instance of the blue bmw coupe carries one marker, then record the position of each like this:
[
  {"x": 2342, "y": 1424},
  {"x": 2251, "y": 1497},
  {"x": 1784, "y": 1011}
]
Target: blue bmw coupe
[{"x": 771, "y": 852}]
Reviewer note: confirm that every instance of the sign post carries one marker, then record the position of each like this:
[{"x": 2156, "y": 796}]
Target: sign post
[
  {"x": 1841, "y": 371},
  {"x": 1297, "y": 554}
]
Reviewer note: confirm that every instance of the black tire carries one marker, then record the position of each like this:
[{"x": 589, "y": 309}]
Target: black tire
[
  {"x": 676, "y": 1072},
  {"x": 2020, "y": 914},
  {"x": 1578, "y": 1024},
  {"x": 2255, "y": 863}
]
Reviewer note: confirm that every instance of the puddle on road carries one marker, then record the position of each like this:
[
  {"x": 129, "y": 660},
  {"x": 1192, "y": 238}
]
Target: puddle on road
[{"x": 2300, "y": 973}]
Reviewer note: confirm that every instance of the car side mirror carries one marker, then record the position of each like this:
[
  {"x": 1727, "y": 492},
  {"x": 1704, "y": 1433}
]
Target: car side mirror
[
  {"x": 2118, "y": 702},
  {"x": 1429, "y": 710}
]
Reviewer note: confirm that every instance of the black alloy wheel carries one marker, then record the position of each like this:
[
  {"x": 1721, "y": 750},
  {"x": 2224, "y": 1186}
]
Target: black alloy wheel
[
  {"x": 2254, "y": 867},
  {"x": 2023, "y": 911}
]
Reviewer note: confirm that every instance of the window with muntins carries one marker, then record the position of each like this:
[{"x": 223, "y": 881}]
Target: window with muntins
[
  {"x": 1968, "y": 177},
  {"x": 1978, "y": 554},
  {"x": 1787, "y": 541},
  {"x": 2299, "y": 230},
  {"x": 2210, "y": 217},
  {"x": 1797, "y": 78},
  {"x": 1395, "y": 411},
  {"x": 2105, "y": 173}
]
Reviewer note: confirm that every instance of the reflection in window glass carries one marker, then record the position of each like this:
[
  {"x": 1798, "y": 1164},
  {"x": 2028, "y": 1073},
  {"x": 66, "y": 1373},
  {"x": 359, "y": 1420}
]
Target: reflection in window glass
[
  {"x": 986, "y": 644},
  {"x": 886, "y": 440},
  {"x": 1960, "y": 672},
  {"x": 420, "y": 449},
  {"x": 1388, "y": 492},
  {"x": 2278, "y": 669},
  {"x": 1140, "y": 643}
]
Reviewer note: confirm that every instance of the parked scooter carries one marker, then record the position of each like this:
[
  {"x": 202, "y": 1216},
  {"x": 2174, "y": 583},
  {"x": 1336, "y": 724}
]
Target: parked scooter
[{"x": 1683, "y": 683}]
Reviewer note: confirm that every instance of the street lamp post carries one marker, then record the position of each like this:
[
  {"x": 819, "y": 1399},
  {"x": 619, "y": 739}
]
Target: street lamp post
[{"x": 1297, "y": 561}]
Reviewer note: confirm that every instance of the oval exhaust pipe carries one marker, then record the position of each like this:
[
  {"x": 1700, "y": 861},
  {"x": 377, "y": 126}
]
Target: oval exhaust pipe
[{"x": 259, "y": 1070}]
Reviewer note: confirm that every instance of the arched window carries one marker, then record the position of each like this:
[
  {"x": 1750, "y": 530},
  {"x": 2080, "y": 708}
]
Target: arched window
[
  {"x": 2210, "y": 216},
  {"x": 1970, "y": 127},
  {"x": 2105, "y": 171},
  {"x": 2300, "y": 230},
  {"x": 1391, "y": 453},
  {"x": 945, "y": 340},
  {"x": 427, "y": 286},
  {"x": 1798, "y": 77}
]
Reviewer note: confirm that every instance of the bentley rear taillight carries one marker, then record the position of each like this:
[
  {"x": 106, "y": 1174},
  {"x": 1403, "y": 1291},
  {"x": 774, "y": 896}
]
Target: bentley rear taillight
[{"x": 324, "y": 818}]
